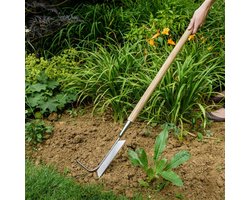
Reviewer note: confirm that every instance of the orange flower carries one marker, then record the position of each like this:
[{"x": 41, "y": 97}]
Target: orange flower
[
  {"x": 156, "y": 35},
  {"x": 191, "y": 37},
  {"x": 170, "y": 41},
  {"x": 151, "y": 42},
  {"x": 165, "y": 31}
]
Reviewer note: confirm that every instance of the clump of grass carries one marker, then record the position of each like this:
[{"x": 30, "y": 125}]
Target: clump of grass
[
  {"x": 43, "y": 182},
  {"x": 116, "y": 77}
]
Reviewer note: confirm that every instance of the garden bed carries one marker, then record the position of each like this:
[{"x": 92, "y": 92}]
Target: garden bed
[{"x": 88, "y": 138}]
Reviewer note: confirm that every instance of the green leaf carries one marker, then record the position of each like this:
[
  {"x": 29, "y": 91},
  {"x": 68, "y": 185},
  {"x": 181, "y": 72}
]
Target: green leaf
[
  {"x": 160, "y": 39},
  {"x": 49, "y": 129},
  {"x": 138, "y": 158},
  {"x": 38, "y": 115},
  {"x": 160, "y": 143},
  {"x": 143, "y": 183},
  {"x": 178, "y": 159},
  {"x": 204, "y": 114},
  {"x": 35, "y": 100},
  {"x": 52, "y": 84},
  {"x": 199, "y": 136},
  {"x": 64, "y": 99},
  {"x": 50, "y": 105},
  {"x": 133, "y": 157},
  {"x": 38, "y": 87},
  {"x": 143, "y": 158},
  {"x": 42, "y": 77},
  {"x": 160, "y": 165},
  {"x": 150, "y": 173},
  {"x": 172, "y": 177},
  {"x": 61, "y": 98},
  {"x": 71, "y": 97}
]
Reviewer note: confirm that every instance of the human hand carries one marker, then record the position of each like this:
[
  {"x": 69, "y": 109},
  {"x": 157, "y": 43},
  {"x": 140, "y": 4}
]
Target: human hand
[{"x": 199, "y": 16}]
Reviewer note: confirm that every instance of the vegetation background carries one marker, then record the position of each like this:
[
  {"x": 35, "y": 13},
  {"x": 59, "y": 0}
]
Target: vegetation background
[{"x": 106, "y": 53}]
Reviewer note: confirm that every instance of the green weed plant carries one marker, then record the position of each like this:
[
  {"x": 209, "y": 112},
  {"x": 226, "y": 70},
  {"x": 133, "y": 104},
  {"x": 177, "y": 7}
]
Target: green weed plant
[
  {"x": 157, "y": 168},
  {"x": 36, "y": 131}
]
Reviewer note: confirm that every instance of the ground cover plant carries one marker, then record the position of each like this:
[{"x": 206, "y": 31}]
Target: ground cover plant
[
  {"x": 36, "y": 131},
  {"x": 44, "y": 97},
  {"x": 158, "y": 167},
  {"x": 44, "y": 182}
]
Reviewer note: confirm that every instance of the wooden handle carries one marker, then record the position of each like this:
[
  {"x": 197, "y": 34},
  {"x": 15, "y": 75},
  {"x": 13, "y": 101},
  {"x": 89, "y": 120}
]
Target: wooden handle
[{"x": 158, "y": 77}]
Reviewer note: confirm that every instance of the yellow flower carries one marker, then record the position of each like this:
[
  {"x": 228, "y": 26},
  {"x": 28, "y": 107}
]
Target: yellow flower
[
  {"x": 170, "y": 41},
  {"x": 156, "y": 35},
  {"x": 165, "y": 31},
  {"x": 151, "y": 42},
  {"x": 191, "y": 37}
]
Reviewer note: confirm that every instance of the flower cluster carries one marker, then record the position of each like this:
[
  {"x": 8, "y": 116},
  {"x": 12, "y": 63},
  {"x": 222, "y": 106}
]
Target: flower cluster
[{"x": 162, "y": 36}]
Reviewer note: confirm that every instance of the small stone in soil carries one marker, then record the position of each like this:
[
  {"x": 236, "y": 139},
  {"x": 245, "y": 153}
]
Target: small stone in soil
[{"x": 77, "y": 139}]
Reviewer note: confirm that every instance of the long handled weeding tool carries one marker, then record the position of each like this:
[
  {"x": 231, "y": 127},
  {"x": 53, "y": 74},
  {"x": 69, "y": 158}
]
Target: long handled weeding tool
[{"x": 103, "y": 165}]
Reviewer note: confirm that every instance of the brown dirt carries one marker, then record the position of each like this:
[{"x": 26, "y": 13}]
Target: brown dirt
[{"x": 88, "y": 139}]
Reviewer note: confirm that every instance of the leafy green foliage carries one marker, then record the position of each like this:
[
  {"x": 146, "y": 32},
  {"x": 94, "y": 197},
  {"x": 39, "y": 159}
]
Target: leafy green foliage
[
  {"x": 161, "y": 167},
  {"x": 36, "y": 131},
  {"x": 108, "y": 61},
  {"x": 160, "y": 143},
  {"x": 58, "y": 68},
  {"x": 45, "y": 96},
  {"x": 44, "y": 182}
]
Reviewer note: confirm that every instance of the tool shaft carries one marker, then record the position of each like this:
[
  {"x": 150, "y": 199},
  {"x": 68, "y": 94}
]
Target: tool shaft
[{"x": 158, "y": 76}]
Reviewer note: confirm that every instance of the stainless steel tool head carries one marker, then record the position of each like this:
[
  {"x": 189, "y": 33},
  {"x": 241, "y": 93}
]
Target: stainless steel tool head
[
  {"x": 111, "y": 155},
  {"x": 103, "y": 165}
]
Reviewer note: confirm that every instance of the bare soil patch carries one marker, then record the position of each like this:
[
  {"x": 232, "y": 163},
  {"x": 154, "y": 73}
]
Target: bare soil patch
[{"x": 88, "y": 138}]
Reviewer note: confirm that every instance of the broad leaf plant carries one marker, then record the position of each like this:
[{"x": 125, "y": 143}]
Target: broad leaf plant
[{"x": 160, "y": 167}]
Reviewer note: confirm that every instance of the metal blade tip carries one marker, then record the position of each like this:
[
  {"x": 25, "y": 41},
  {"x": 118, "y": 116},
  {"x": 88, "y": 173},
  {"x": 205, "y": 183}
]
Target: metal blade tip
[{"x": 110, "y": 157}]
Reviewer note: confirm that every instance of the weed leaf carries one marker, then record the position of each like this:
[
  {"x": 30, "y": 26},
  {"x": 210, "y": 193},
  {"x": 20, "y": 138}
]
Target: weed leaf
[
  {"x": 143, "y": 158},
  {"x": 150, "y": 173},
  {"x": 139, "y": 157},
  {"x": 160, "y": 143},
  {"x": 160, "y": 165},
  {"x": 172, "y": 177},
  {"x": 178, "y": 159},
  {"x": 133, "y": 157},
  {"x": 143, "y": 183}
]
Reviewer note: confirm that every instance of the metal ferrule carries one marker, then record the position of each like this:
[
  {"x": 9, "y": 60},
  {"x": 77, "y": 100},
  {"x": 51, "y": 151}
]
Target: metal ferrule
[{"x": 124, "y": 128}]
